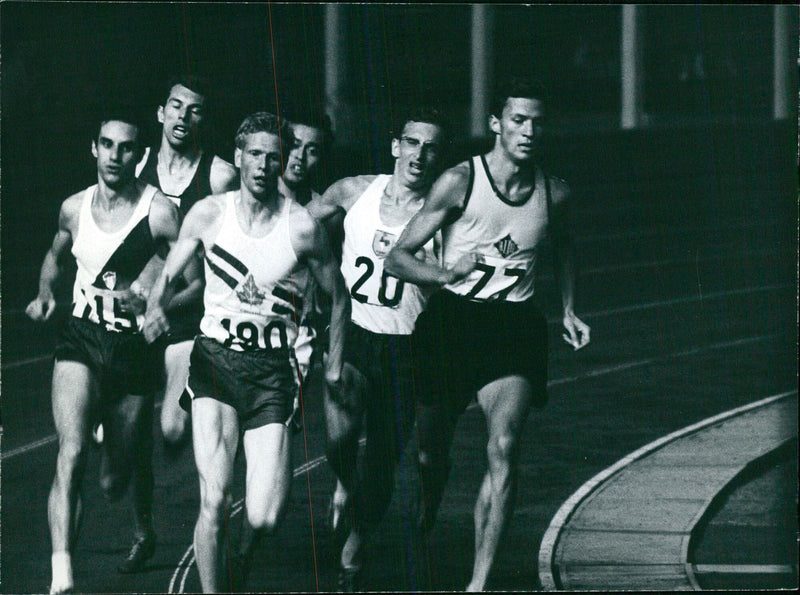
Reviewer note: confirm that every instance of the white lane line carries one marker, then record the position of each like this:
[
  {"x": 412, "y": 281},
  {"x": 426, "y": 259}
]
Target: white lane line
[
  {"x": 43, "y": 442},
  {"x": 548, "y": 546},
  {"x": 25, "y": 362},
  {"x": 591, "y": 374},
  {"x": 743, "y": 568},
  {"x": 188, "y": 559},
  {"x": 598, "y": 313}
]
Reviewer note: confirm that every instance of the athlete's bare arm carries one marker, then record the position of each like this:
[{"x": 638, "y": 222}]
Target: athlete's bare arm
[
  {"x": 201, "y": 223},
  {"x": 164, "y": 220},
  {"x": 311, "y": 242},
  {"x": 577, "y": 332},
  {"x": 42, "y": 307},
  {"x": 445, "y": 198},
  {"x": 223, "y": 176},
  {"x": 339, "y": 197}
]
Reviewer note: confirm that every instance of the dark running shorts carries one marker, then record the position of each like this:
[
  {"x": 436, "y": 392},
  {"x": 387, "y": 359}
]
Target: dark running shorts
[
  {"x": 386, "y": 363},
  {"x": 259, "y": 384},
  {"x": 460, "y": 346},
  {"x": 123, "y": 363},
  {"x": 184, "y": 325}
]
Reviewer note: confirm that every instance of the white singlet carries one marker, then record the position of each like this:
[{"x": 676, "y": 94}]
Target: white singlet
[
  {"x": 254, "y": 286},
  {"x": 501, "y": 237},
  {"x": 109, "y": 262},
  {"x": 381, "y": 303}
]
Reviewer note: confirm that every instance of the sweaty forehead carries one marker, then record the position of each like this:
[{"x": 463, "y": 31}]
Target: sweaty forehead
[
  {"x": 119, "y": 131},
  {"x": 307, "y": 134},
  {"x": 185, "y": 94},
  {"x": 523, "y": 105},
  {"x": 264, "y": 141},
  {"x": 423, "y": 131}
]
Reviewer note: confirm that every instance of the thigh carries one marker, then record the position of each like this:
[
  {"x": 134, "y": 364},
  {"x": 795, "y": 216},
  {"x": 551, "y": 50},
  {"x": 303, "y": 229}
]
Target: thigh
[
  {"x": 74, "y": 398},
  {"x": 215, "y": 437},
  {"x": 506, "y": 403},
  {"x": 268, "y": 455},
  {"x": 176, "y": 365}
]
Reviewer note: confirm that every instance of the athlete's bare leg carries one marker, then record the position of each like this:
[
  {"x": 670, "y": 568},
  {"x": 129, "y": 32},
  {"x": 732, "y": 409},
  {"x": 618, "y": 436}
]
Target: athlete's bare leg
[
  {"x": 435, "y": 427},
  {"x": 73, "y": 388},
  {"x": 269, "y": 475},
  {"x": 174, "y": 419},
  {"x": 215, "y": 435},
  {"x": 505, "y": 403},
  {"x": 344, "y": 422}
]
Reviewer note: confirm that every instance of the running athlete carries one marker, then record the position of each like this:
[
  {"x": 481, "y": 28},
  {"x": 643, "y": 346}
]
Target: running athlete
[
  {"x": 103, "y": 367},
  {"x": 312, "y": 134},
  {"x": 312, "y": 140},
  {"x": 185, "y": 173},
  {"x": 483, "y": 334},
  {"x": 378, "y": 365},
  {"x": 258, "y": 247}
]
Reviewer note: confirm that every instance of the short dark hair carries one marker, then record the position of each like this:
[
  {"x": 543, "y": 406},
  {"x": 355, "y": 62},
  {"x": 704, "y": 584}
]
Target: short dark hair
[
  {"x": 314, "y": 117},
  {"x": 192, "y": 82},
  {"x": 426, "y": 114},
  {"x": 117, "y": 114},
  {"x": 264, "y": 122},
  {"x": 516, "y": 86}
]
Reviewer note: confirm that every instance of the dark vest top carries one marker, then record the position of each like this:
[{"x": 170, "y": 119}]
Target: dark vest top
[{"x": 199, "y": 187}]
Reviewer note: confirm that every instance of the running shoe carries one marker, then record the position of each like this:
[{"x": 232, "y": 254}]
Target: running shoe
[{"x": 141, "y": 551}]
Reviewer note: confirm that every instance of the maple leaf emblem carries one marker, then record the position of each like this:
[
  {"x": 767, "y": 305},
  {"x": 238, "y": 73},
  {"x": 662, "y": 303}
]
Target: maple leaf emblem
[
  {"x": 506, "y": 246},
  {"x": 249, "y": 294}
]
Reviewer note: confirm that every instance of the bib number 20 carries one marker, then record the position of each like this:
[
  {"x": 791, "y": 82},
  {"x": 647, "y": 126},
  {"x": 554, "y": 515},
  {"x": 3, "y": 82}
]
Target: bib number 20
[{"x": 383, "y": 292}]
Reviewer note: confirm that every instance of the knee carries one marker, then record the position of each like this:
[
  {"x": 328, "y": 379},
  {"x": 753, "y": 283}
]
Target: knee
[
  {"x": 502, "y": 447},
  {"x": 213, "y": 503},
  {"x": 264, "y": 521},
  {"x": 71, "y": 454},
  {"x": 113, "y": 486},
  {"x": 172, "y": 428}
]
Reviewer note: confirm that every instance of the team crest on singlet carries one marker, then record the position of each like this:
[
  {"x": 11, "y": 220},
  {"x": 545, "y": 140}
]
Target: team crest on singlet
[
  {"x": 110, "y": 279},
  {"x": 382, "y": 242},
  {"x": 506, "y": 246},
  {"x": 249, "y": 293}
]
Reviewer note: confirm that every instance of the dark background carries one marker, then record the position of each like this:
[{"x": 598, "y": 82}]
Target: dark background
[{"x": 707, "y": 68}]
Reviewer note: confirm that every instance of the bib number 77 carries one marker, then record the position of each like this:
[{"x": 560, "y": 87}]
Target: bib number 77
[{"x": 488, "y": 274}]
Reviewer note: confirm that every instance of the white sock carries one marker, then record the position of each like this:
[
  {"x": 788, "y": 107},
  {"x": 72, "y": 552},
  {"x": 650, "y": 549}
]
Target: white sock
[{"x": 62, "y": 572}]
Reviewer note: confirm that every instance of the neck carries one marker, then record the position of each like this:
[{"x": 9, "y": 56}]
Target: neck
[
  {"x": 255, "y": 206},
  {"x": 399, "y": 194},
  {"x": 505, "y": 170},
  {"x": 168, "y": 155},
  {"x": 108, "y": 196}
]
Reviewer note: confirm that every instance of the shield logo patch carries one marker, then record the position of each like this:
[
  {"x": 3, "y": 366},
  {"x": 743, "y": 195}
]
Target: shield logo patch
[
  {"x": 110, "y": 279},
  {"x": 382, "y": 242}
]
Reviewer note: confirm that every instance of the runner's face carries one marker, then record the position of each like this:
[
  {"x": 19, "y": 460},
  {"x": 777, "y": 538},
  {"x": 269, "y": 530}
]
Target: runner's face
[
  {"x": 117, "y": 151},
  {"x": 305, "y": 156},
  {"x": 520, "y": 128},
  {"x": 417, "y": 152},
  {"x": 181, "y": 116},
  {"x": 259, "y": 163}
]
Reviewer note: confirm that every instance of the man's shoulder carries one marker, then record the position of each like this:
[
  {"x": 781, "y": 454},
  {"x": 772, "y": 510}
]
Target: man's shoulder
[
  {"x": 559, "y": 188},
  {"x": 353, "y": 185},
  {"x": 222, "y": 175},
  {"x": 454, "y": 178},
  {"x": 71, "y": 206}
]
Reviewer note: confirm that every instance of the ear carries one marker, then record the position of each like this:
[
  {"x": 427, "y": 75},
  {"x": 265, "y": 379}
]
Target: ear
[
  {"x": 237, "y": 158},
  {"x": 494, "y": 124},
  {"x": 395, "y": 148},
  {"x": 160, "y": 114},
  {"x": 94, "y": 149}
]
